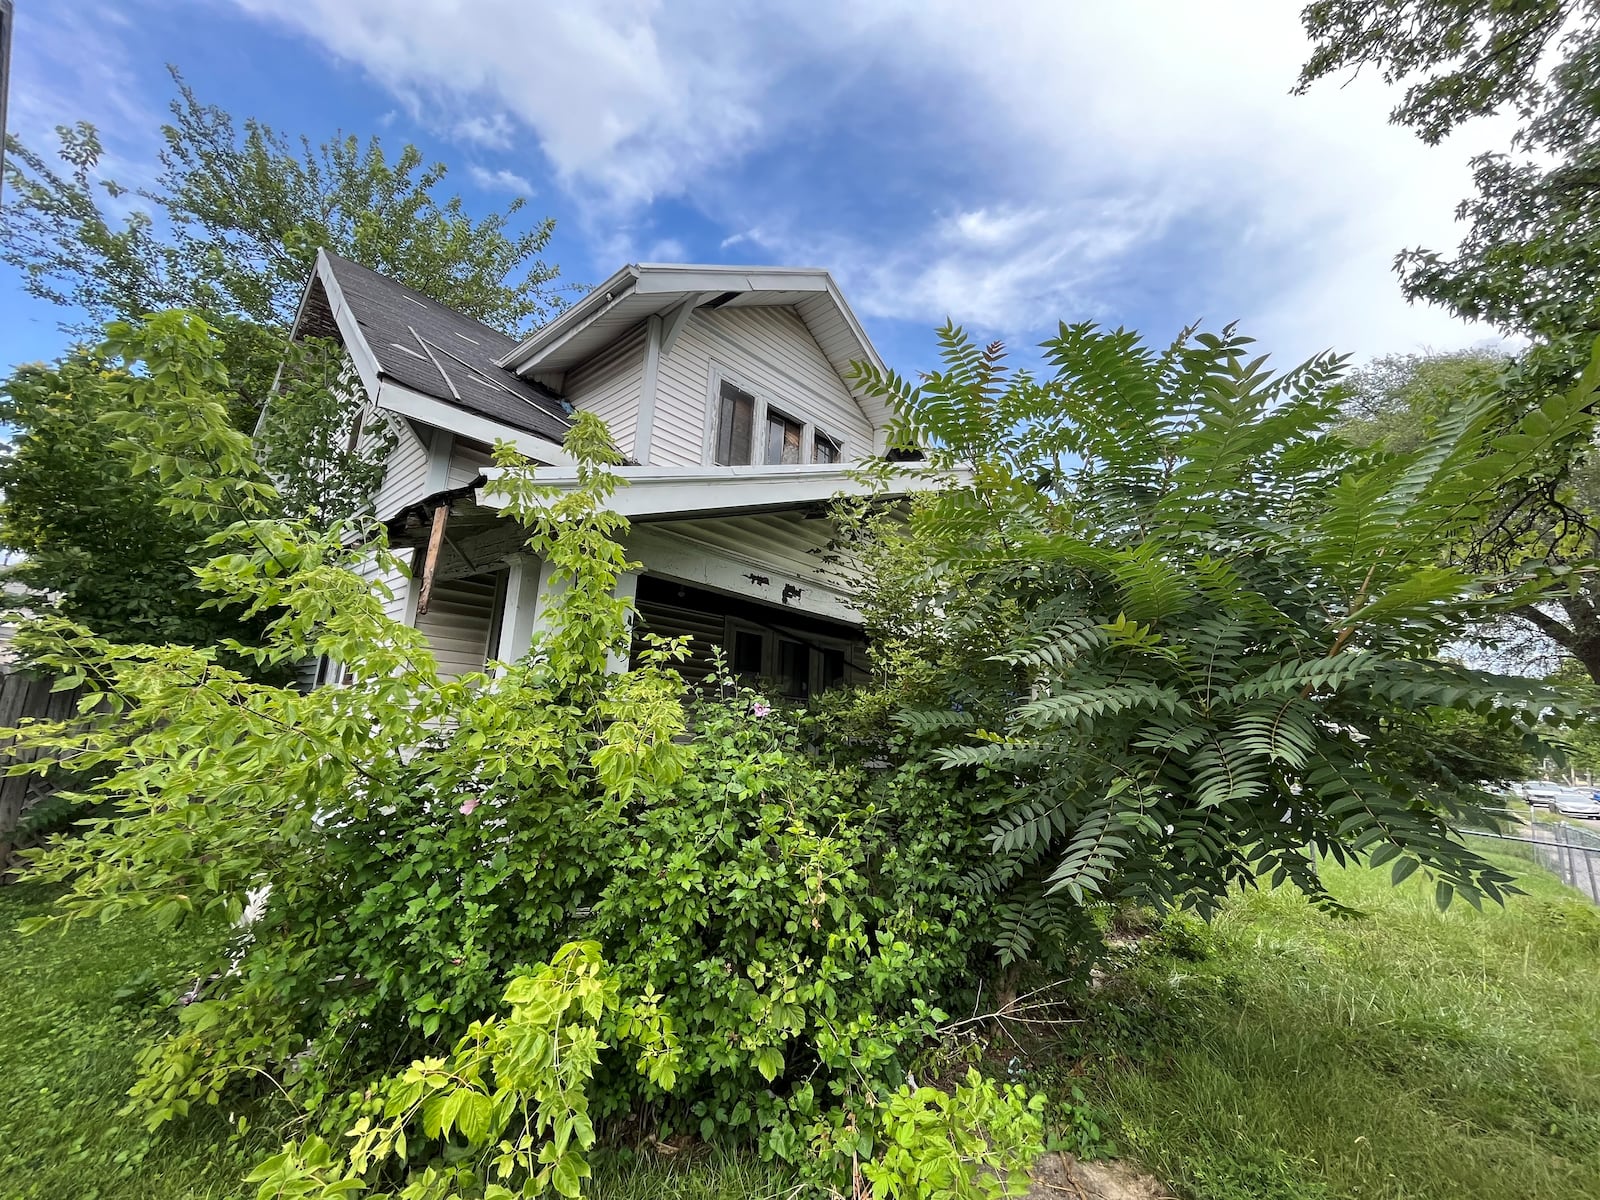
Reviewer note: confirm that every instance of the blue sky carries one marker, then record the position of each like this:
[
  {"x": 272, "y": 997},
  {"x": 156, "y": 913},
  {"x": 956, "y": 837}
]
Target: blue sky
[{"x": 1008, "y": 164}]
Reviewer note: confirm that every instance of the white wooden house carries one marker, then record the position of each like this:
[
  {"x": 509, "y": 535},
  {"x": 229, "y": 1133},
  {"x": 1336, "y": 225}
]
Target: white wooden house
[{"x": 727, "y": 389}]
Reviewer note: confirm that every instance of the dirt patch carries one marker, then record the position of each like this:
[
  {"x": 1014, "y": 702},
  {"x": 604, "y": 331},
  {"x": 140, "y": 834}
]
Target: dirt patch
[{"x": 1062, "y": 1177}]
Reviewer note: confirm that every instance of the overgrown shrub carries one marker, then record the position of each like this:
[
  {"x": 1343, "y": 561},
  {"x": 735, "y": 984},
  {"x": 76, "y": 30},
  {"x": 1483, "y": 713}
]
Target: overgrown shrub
[
  {"x": 1183, "y": 638},
  {"x": 791, "y": 916}
]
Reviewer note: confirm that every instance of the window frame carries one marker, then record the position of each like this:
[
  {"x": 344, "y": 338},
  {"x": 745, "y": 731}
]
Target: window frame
[
  {"x": 821, "y": 432},
  {"x": 714, "y": 422},
  {"x": 773, "y": 412},
  {"x": 810, "y": 430},
  {"x": 771, "y": 636}
]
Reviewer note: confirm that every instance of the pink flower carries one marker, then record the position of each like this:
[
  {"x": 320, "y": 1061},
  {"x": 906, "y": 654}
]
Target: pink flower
[
  {"x": 467, "y": 805},
  {"x": 761, "y": 708}
]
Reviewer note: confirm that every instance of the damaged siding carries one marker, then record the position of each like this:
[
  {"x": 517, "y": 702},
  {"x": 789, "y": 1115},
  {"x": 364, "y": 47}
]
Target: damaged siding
[{"x": 466, "y": 464}]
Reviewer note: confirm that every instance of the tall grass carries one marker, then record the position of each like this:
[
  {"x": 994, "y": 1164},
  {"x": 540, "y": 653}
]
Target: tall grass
[
  {"x": 1411, "y": 1053},
  {"x": 75, "y": 1008}
]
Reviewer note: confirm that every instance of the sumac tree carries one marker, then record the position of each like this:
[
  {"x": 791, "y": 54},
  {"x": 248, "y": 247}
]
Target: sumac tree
[{"x": 1184, "y": 637}]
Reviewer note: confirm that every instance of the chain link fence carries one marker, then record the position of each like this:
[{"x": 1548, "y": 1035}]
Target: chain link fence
[{"x": 1566, "y": 849}]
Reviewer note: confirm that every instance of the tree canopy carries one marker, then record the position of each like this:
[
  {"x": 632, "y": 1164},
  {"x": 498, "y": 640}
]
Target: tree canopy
[
  {"x": 229, "y": 229},
  {"x": 1544, "y": 522},
  {"x": 231, "y": 226},
  {"x": 92, "y": 532},
  {"x": 1530, "y": 260}
]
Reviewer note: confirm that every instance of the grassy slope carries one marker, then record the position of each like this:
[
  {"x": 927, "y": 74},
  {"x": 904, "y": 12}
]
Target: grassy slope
[
  {"x": 74, "y": 1009},
  {"x": 1413, "y": 1054},
  {"x": 1410, "y": 1054}
]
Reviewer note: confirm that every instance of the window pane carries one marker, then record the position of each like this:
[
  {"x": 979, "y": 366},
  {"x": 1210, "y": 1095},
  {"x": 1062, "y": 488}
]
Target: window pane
[
  {"x": 825, "y": 450},
  {"x": 783, "y": 439},
  {"x": 832, "y": 667},
  {"x": 746, "y": 652},
  {"x": 794, "y": 669},
  {"x": 735, "y": 420}
]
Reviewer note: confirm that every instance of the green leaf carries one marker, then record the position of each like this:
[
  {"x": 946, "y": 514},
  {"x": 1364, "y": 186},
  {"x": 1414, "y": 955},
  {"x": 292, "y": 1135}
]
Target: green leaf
[{"x": 769, "y": 1061}]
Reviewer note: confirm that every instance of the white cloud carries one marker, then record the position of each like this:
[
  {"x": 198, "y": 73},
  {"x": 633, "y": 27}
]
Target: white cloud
[
  {"x": 665, "y": 250},
  {"x": 492, "y": 130},
  {"x": 622, "y": 96},
  {"x": 982, "y": 227},
  {"x": 1089, "y": 132},
  {"x": 68, "y": 66},
  {"x": 1179, "y": 116},
  {"x": 502, "y": 180},
  {"x": 1006, "y": 272}
]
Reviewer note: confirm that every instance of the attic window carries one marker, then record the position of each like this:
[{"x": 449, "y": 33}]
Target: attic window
[
  {"x": 736, "y": 414},
  {"x": 783, "y": 438},
  {"x": 824, "y": 449}
]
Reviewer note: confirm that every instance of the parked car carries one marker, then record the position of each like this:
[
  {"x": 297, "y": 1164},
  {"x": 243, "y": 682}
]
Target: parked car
[
  {"x": 1579, "y": 805},
  {"x": 1543, "y": 794}
]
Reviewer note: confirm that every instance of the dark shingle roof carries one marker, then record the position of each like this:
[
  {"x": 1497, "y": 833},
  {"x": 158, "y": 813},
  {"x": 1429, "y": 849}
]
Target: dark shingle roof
[{"x": 429, "y": 348}]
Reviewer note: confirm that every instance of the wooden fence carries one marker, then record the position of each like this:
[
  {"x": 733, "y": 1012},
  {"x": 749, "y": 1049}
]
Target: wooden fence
[{"x": 24, "y": 695}]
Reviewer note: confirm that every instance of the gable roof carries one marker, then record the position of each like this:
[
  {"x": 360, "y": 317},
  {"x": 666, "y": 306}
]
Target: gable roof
[
  {"x": 425, "y": 346},
  {"x": 674, "y": 290}
]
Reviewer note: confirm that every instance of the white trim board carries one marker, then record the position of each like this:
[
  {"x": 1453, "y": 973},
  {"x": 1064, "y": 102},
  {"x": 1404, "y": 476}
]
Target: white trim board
[
  {"x": 685, "y": 491},
  {"x": 397, "y": 398},
  {"x": 685, "y": 560}
]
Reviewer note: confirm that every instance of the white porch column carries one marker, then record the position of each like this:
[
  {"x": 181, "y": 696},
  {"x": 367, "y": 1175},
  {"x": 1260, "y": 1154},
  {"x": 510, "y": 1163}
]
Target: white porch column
[
  {"x": 521, "y": 606},
  {"x": 627, "y": 589}
]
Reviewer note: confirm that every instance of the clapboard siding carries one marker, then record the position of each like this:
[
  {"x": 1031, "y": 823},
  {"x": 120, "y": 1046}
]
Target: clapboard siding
[
  {"x": 397, "y": 582},
  {"x": 457, "y": 623},
  {"x": 467, "y": 463},
  {"x": 609, "y": 386},
  {"x": 769, "y": 350},
  {"x": 405, "y": 477}
]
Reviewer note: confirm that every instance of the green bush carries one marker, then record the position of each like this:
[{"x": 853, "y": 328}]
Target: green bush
[{"x": 790, "y": 914}]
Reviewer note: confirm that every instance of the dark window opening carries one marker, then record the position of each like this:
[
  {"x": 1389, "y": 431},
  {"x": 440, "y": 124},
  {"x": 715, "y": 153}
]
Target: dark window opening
[
  {"x": 794, "y": 669},
  {"x": 736, "y": 414},
  {"x": 824, "y": 449},
  {"x": 786, "y": 654},
  {"x": 832, "y": 667},
  {"x": 746, "y": 652}
]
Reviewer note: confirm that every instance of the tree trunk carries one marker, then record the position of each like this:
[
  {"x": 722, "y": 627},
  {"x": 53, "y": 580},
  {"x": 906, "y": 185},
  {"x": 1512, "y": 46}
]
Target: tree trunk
[{"x": 1578, "y": 634}]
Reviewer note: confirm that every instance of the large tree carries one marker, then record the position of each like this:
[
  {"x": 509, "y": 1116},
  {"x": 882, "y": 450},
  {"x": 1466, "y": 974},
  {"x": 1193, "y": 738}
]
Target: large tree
[
  {"x": 1530, "y": 260},
  {"x": 231, "y": 226},
  {"x": 1547, "y": 522},
  {"x": 229, "y": 230},
  {"x": 87, "y": 518}
]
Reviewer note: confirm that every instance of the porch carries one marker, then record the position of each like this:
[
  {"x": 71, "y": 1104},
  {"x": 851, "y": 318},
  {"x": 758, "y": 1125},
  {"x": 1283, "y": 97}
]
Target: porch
[{"x": 764, "y": 590}]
